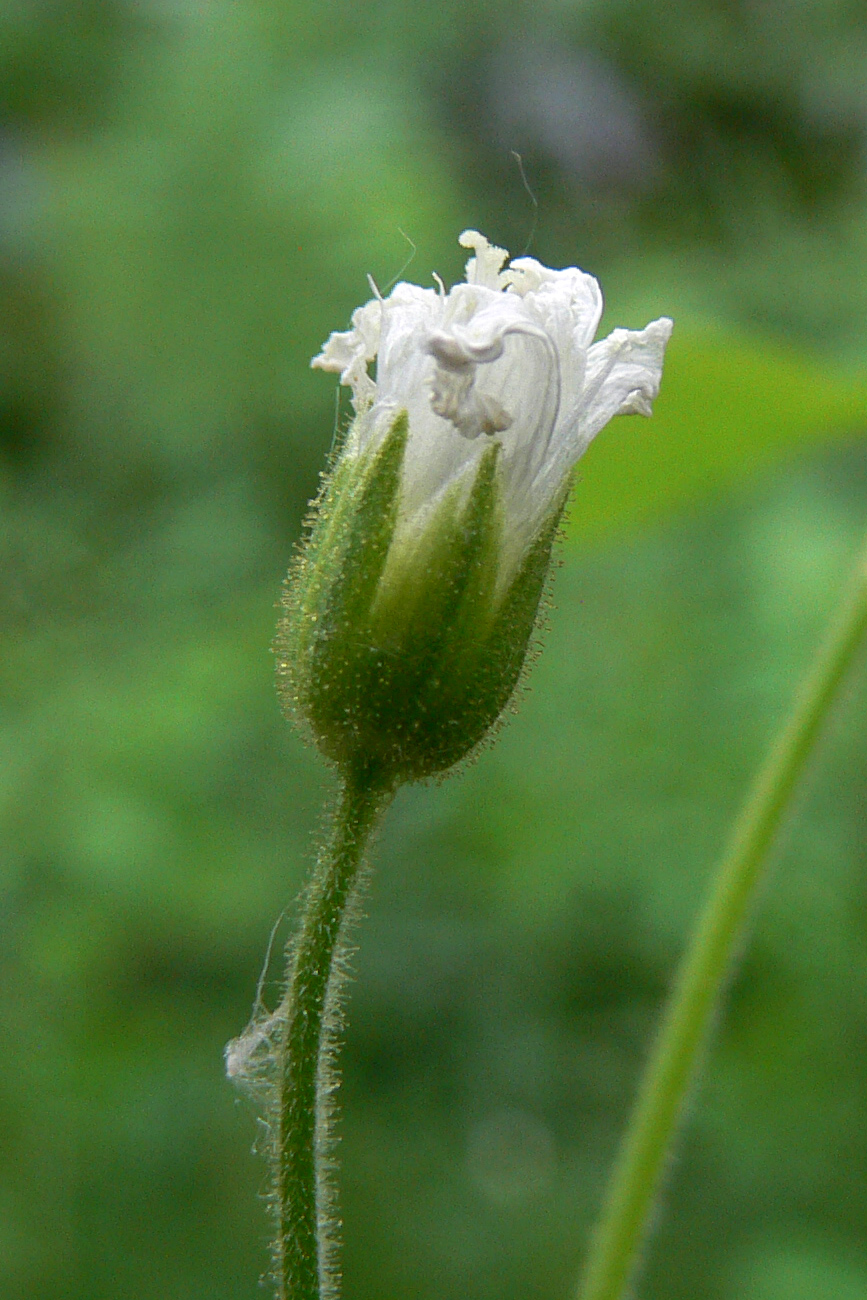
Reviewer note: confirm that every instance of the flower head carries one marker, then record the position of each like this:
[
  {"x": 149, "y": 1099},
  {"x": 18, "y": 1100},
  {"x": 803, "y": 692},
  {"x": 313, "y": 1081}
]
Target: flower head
[
  {"x": 414, "y": 599},
  {"x": 507, "y": 357}
]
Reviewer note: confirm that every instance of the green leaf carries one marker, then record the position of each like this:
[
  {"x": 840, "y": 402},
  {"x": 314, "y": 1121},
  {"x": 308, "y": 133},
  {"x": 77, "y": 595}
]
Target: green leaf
[{"x": 730, "y": 406}]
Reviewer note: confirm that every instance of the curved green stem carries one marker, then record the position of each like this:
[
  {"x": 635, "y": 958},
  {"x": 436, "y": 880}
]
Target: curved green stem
[
  {"x": 706, "y": 964},
  {"x": 306, "y": 1081}
]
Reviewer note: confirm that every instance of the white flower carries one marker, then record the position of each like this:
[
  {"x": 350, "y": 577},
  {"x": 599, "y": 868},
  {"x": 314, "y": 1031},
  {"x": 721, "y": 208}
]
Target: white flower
[{"x": 508, "y": 356}]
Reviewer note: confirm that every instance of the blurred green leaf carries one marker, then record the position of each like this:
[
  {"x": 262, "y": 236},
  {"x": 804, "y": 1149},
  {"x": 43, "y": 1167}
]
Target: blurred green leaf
[
  {"x": 787, "y": 1271},
  {"x": 730, "y": 406}
]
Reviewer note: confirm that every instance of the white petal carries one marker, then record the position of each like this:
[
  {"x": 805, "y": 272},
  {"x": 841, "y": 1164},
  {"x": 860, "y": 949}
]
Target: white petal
[
  {"x": 570, "y": 295},
  {"x": 436, "y": 454},
  {"x": 478, "y": 397},
  {"x": 477, "y": 334},
  {"x": 623, "y": 375},
  {"x": 567, "y": 305},
  {"x": 409, "y": 314},
  {"x": 349, "y": 353}
]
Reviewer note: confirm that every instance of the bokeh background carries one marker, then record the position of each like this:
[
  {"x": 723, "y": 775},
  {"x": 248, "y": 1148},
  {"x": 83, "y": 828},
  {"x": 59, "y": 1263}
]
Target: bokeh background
[{"x": 191, "y": 195}]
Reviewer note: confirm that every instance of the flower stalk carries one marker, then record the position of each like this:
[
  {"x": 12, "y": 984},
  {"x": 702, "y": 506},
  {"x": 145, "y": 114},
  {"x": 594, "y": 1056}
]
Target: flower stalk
[
  {"x": 707, "y": 963},
  {"x": 309, "y": 1017}
]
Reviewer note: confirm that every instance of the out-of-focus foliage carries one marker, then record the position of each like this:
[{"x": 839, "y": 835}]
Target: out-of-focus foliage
[
  {"x": 732, "y": 405},
  {"x": 190, "y": 197}
]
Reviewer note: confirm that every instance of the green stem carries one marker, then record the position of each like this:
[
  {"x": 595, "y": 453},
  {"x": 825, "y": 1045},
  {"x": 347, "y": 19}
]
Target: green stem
[
  {"x": 310, "y": 1012},
  {"x": 707, "y": 962}
]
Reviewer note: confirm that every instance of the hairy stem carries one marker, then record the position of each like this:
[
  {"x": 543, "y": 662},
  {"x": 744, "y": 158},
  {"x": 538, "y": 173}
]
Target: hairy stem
[
  {"x": 304, "y": 1248},
  {"x": 706, "y": 964}
]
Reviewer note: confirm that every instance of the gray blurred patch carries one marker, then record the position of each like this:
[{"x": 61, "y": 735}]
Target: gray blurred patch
[{"x": 575, "y": 108}]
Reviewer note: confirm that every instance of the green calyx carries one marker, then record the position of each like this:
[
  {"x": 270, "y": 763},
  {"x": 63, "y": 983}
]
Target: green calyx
[{"x": 399, "y": 656}]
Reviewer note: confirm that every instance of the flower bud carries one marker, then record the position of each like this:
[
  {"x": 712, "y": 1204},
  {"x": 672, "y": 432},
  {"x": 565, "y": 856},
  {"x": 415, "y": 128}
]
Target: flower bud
[{"x": 414, "y": 598}]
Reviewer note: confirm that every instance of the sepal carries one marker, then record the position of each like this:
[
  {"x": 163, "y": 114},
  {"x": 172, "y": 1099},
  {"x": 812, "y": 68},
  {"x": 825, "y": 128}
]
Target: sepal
[{"x": 399, "y": 653}]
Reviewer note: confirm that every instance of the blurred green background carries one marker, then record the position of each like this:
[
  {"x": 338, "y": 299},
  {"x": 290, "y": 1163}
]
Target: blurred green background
[{"x": 191, "y": 196}]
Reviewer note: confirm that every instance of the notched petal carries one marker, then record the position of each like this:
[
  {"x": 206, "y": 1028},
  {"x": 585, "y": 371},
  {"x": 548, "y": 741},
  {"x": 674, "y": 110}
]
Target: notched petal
[
  {"x": 623, "y": 375},
  {"x": 349, "y": 353}
]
